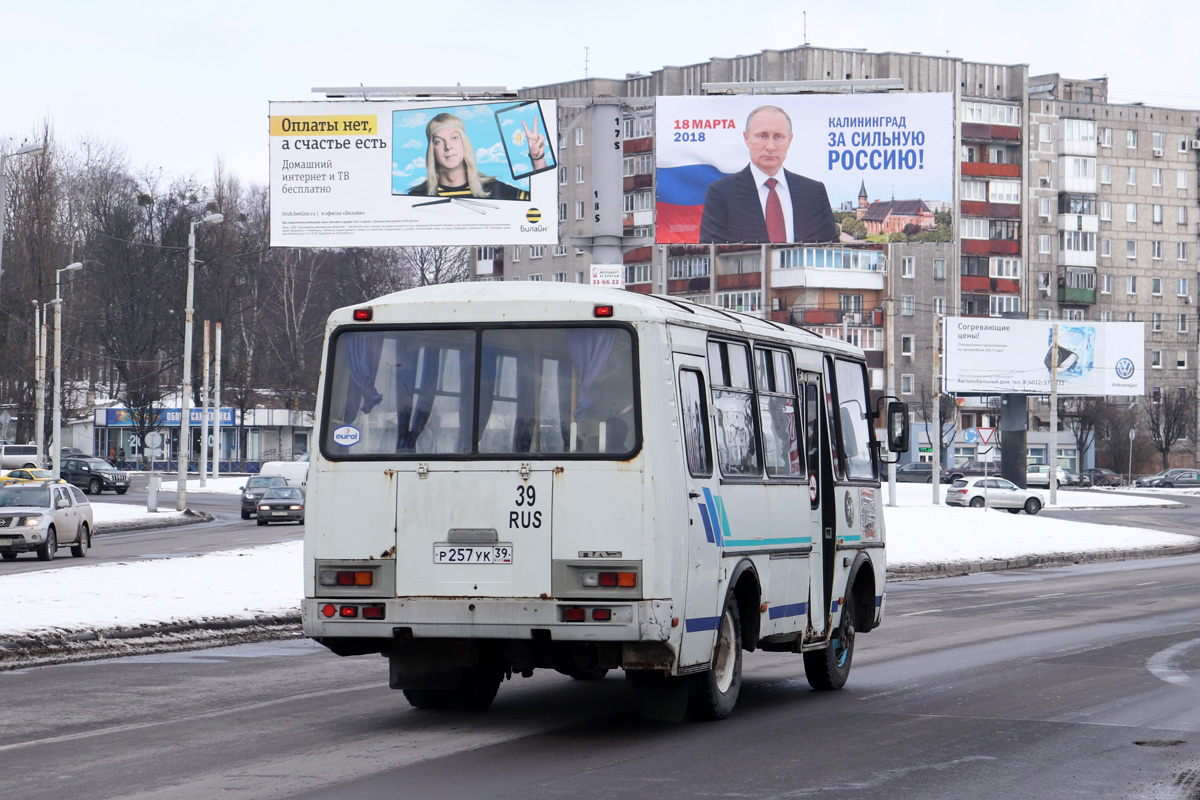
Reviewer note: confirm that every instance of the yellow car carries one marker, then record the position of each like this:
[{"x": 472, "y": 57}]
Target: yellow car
[{"x": 25, "y": 475}]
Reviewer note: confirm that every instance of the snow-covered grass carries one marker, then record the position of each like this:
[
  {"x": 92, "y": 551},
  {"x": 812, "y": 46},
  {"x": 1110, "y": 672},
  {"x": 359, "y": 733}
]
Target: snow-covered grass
[{"x": 267, "y": 580}]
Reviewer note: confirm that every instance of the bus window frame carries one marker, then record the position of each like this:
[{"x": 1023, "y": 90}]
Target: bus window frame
[
  {"x": 841, "y": 473},
  {"x": 478, "y": 328}
]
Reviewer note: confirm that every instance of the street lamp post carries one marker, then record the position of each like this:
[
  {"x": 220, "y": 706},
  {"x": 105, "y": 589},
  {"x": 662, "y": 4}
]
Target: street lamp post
[
  {"x": 27, "y": 150},
  {"x": 39, "y": 380},
  {"x": 56, "y": 424},
  {"x": 185, "y": 400}
]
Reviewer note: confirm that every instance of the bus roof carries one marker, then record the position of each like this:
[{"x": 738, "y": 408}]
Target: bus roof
[{"x": 543, "y": 301}]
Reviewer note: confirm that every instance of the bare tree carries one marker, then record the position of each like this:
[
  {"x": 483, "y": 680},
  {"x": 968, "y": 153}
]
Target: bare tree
[
  {"x": 425, "y": 266},
  {"x": 947, "y": 416},
  {"x": 1081, "y": 416},
  {"x": 1171, "y": 420},
  {"x": 1112, "y": 437}
]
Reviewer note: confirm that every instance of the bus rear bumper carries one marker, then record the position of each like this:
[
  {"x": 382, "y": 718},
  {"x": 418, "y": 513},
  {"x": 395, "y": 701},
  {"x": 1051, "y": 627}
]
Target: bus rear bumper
[{"x": 491, "y": 618}]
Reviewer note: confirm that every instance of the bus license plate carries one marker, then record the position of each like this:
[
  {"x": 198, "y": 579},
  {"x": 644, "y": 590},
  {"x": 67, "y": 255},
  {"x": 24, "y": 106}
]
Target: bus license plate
[{"x": 473, "y": 554}]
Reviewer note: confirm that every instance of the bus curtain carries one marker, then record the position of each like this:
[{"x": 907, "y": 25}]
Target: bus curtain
[
  {"x": 414, "y": 403},
  {"x": 362, "y": 356},
  {"x": 589, "y": 349}
]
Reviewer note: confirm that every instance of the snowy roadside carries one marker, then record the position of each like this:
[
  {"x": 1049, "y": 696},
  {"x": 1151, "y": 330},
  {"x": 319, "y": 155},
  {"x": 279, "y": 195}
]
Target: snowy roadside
[{"x": 98, "y": 610}]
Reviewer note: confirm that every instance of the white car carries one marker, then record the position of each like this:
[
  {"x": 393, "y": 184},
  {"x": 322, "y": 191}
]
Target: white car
[
  {"x": 1039, "y": 475},
  {"x": 995, "y": 493},
  {"x": 294, "y": 472},
  {"x": 38, "y": 517}
]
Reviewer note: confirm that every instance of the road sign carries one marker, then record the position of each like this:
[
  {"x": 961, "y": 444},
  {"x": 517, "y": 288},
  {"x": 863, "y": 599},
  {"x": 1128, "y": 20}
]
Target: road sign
[
  {"x": 986, "y": 434},
  {"x": 970, "y": 436},
  {"x": 925, "y": 449}
]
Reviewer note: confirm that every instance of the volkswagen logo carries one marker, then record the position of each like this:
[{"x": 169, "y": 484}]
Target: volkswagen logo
[{"x": 1125, "y": 369}]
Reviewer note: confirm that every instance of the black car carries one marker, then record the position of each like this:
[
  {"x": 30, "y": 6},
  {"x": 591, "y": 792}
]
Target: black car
[
  {"x": 281, "y": 504},
  {"x": 93, "y": 475},
  {"x": 1172, "y": 479},
  {"x": 1099, "y": 476},
  {"x": 921, "y": 472},
  {"x": 254, "y": 489}
]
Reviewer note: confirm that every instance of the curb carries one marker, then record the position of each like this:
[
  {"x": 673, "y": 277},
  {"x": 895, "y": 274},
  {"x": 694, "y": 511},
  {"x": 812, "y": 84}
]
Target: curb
[
  {"x": 949, "y": 569},
  {"x": 190, "y": 517}
]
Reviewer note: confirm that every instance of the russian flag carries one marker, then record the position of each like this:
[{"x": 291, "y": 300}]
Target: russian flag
[{"x": 679, "y": 201}]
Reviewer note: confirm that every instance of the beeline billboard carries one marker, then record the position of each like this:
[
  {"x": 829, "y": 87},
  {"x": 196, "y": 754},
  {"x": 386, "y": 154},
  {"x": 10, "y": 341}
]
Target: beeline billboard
[
  {"x": 413, "y": 173},
  {"x": 773, "y": 169}
]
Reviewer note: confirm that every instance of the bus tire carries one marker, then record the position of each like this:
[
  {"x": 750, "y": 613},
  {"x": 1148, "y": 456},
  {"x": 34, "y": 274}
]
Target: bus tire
[
  {"x": 477, "y": 690},
  {"x": 829, "y": 668},
  {"x": 714, "y": 692},
  {"x": 434, "y": 699}
]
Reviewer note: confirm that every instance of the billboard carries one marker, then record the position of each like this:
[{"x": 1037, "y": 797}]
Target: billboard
[
  {"x": 1005, "y": 355},
  {"x": 715, "y": 154},
  {"x": 430, "y": 172}
]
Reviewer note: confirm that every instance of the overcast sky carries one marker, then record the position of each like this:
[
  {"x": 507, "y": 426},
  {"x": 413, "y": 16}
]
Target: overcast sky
[{"x": 179, "y": 86}]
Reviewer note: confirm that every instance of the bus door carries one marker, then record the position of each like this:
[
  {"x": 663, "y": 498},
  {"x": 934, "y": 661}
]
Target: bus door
[
  {"x": 701, "y": 612},
  {"x": 820, "y": 495}
]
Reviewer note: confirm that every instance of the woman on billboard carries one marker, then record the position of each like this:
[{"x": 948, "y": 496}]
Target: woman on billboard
[{"x": 450, "y": 167}]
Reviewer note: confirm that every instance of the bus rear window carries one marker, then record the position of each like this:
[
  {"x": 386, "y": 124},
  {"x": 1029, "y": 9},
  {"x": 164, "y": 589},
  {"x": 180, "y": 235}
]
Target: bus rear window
[{"x": 523, "y": 391}]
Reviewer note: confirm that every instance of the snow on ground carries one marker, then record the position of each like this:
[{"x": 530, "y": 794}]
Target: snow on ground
[{"x": 268, "y": 580}]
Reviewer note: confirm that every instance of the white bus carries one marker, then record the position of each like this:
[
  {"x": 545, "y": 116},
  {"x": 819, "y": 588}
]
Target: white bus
[{"x": 514, "y": 476}]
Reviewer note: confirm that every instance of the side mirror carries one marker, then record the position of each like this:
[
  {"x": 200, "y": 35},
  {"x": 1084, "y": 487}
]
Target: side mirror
[
  {"x": 897, "y": 426},
  {"x": 62, "y": 502}
]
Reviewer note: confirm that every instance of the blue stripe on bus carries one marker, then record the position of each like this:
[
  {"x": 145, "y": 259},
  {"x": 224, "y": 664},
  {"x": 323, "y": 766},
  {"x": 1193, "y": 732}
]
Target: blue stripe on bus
[
  {"x": 708, "y": 528},
  {"x": 791, "y": 610},
  {"x": 701, "y": 624},
  {"x": 750, "y": 542},
  {"x": 720, "y": 525},
  {"x": 853, "y": 538},
  {"x": 724, "y": 520}
]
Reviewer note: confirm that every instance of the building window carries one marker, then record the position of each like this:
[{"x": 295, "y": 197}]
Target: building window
[
  {"x": 1131, "y": 212},
  {"x": 1106, "y": 316},
  {"x": 637, "y": 273},
  {"x": 1131, "y": 139},
  {"x": 1131, "y": 249},
  {"x": 1004, "y": 191},
  {"x": 1131, "y": 176},
  {"x": 579, "y": 209},
  {"x": 639, "y": 201},
  {"x": 1181, "y": 254},
  {"x": 562, "y": 176},
  {"x": 1131, "y": 284},
  {"x": 562, "y": 212},
  {"x": 1106, "y": 284},
  {"x": 1156, "y": 359},
  {"x": 1072, "y": 314},
  {"x": 537, "y": 250},
  {"x": 537, "y": 276},
  {"x": 972, "y": 228},
  {"x": 1004, "y": 304},
  {"x": 579, "y": 173},
  {"x": 560, "y": 249},
  {"x": 908, "y": 305},
  {"x": 1077, "y": 241},
  {"x": 1006, "y": 267},
  {"x": 1156, "y": 177},
  {"x": 1080, "y": 167},
  {"x": 852, "y": 303},
  {"x": 517, "y": 253},
  {"x": 740, "y": 301},
  {"x": 1131, "y": 316},
  {"x": 560, "y": 277},
  {"x": 1044, "y": 243},
  {"x": 1105, "y": 174},
  {"x": 1183, "y": 215},
  {"x": 1181, "y": 287},
  {"x": 1106, "y": 211},
  {"x": 939, "y": 305},
  {"x": 1181, "y": 359},
  {"x": 906, "y": 345},
  {"x": 1183, "y": 143},
  {"x": 579, "y": 136},
  {"x": 906, "y": 267},
  {"x": 1106, "y": 247},
  {"x": 1181, "y": 179},
  {"x": 1043, "y": 313},
  {"x": 1006, "y": 229},
  {"x": 1183, "y": 323},
  {"x": 1044, "y": 281},
  {"x": 1156, "y": 251},
  {"x": 939, "y": 269},
  {"x": 1156, "y": 214},
  {"x": 1045, "y": 207},
  {"x": 579, "y": 276},
  {"x": 1156, "y": 140},
  {"x": 687, "y": 267},
  {"x": 974, "y": 190},
  {"x": 1156, "y": 322},
  {"x": 906, "y": 384},
  {"x": 1046, "y": 130},
  {"x": 485, "y": 254},
  {"x": 1106, "y": 137},
  {"x": 1156, "y": 286}
]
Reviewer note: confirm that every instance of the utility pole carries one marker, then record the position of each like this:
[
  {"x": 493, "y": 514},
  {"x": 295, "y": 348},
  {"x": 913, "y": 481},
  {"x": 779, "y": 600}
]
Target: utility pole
[
  {"x": 1052, "y": 456},
  {"x": 204, "y": 416},
  {"x": 937, "y": 408}
]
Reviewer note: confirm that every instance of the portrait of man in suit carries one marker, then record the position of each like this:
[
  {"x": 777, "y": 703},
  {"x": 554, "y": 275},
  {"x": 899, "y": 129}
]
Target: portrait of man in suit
[{"x": 764, "y": 203}]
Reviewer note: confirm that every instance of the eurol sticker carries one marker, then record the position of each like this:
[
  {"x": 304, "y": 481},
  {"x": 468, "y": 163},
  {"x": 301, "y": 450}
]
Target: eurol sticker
[{"x": 346, "y": 435}]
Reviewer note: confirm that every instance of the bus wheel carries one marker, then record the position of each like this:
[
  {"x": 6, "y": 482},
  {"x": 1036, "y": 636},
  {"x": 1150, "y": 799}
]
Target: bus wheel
[
  {"x": 829, "y": 668},
  {"x": 427, "y": 698},
  {"x": 477, "y": 690},
  {"x": 715, "y": 692}
]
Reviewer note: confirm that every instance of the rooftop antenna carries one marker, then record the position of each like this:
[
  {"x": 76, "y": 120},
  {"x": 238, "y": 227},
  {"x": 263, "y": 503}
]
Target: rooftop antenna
[
  {"x": 805, "y": 14},
  {"x": 585, "y": 62}
]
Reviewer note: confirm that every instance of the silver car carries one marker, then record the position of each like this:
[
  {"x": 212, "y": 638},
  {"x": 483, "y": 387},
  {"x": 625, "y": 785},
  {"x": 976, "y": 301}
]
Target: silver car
[
  {"x": 38, "y": 517},
  {"x": 994, "y": 493}
]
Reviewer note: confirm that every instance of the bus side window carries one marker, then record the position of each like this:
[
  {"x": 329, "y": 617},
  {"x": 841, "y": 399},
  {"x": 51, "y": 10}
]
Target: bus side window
[
  {"x": 778, "y": 413},
  {"x": 733, "y": 408},
  {"x": 693, "y": 410}
]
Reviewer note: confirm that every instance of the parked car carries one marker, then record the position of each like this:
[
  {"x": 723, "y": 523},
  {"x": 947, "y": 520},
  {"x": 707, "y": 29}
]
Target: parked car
[
  {"x": 281, "y": 504},
  {"x": 920, "y": 472},
  {"x": 969, "y": 469},
  {"x": 1173, "y": 478},
  {"x": 1157, "y": 478},
  {"x": 994, "y": 493},
  {"x": 255, "y": 488},
  {"x": 1100, "y": 476},
  {"x": 1039, "y": 475},
  {"x": 16, "y": 456},
  {"x": 38, "y": 517},
  {"x": 93, "y": 474},
  {"x": 26, "y": 476},
  {"x": 1077, "y": 479}
]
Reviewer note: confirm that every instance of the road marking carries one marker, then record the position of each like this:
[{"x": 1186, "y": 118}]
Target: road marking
[
  {"x": 1159, "y": 664},
  {"x": 1147, "y": 583},
  {"x": 919, "y": 613},
  {"x": 1043, "y": 596}
]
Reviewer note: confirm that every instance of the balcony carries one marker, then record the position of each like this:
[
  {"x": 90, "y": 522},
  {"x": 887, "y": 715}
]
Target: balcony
[
  {"x": 982, "y": 132},
  {"x": 987, "y": 247},
  {"x": 1076, "y": 285},
  {"x": 984, "y": 169},
  {"x": 982, "y": 208}
]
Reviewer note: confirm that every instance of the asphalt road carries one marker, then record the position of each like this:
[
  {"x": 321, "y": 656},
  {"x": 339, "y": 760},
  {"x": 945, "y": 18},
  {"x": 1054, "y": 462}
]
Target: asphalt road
[{"x": 1074, "y": 682}]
